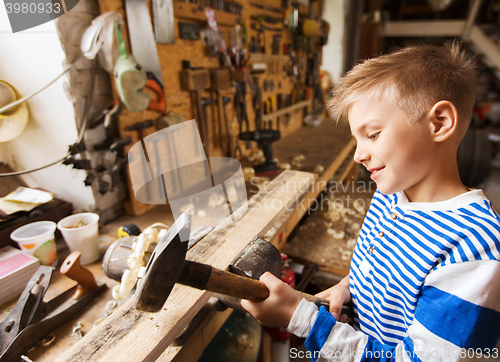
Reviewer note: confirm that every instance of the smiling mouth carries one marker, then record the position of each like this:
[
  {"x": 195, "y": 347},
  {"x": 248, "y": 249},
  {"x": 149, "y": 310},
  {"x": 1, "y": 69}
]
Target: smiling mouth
[{"x": 375, "y": 172}]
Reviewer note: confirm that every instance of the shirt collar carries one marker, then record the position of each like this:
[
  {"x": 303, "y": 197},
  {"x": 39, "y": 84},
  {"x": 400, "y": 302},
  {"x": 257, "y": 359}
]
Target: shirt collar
[{"x": 473, "y": 196}]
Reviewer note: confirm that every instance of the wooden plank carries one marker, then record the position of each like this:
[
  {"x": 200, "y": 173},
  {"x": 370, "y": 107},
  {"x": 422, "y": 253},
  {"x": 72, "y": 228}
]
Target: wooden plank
[
  {"x": 131, "y": 335},
  {"x": 350, "y": 174},
  {"x": 471, "y": 17},
  {"x": 282, "y": 112},
  {"x": 196, "y": 344},
  {"x": 483, "y": 45},
  {"x": 259, "y": 57}
]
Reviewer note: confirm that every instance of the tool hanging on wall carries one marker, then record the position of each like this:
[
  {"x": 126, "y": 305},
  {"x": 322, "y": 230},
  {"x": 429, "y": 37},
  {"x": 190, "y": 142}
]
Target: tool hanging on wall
[
  {"x": 143, "y": 46},
  {"x": 263, "y": 7},
  {"x": 131, "y": 78},
  {"x": 220, "y": 79},
  {"x": 240, "y": 107},
  {"x": 195, "y": 80},
  {"x": 257, "y": 103},
  {"x": 205, "y": 103},
  {"x": 230, "y": 152},
  {"x": 139, "y": 127},
  {"x": 268, "y": 19}
]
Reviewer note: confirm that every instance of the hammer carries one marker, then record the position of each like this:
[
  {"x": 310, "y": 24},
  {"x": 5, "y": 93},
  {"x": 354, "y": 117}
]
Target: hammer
[{"x": 168, "y": 266}]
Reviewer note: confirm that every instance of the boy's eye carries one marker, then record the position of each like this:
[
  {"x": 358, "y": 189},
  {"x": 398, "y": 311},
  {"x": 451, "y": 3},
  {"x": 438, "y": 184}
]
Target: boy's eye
[{"x": 373, "y": 136}]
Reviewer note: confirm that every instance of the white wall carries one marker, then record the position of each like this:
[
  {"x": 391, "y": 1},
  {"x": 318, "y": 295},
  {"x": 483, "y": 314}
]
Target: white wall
[
  {"x": 333, "y": 53},
  {"x": 29, "y": 60}
]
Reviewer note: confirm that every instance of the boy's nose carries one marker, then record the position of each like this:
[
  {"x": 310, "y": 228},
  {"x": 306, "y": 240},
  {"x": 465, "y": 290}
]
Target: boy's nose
[{"x": 360, "y": 155}]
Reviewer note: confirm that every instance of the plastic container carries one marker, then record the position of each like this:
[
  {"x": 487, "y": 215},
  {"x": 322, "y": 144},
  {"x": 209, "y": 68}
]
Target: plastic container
[
  {"x": 81, "y": 232},
  {"x": 38, "y": 239}
]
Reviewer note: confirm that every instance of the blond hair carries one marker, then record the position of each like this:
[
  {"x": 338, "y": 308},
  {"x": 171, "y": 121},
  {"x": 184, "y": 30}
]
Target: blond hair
[{"x": 414, "y": 79}]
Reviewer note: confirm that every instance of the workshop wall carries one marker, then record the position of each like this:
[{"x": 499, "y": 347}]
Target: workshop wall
[
  {"x": 30, "y": 60},
  {"x": 181, "y": 101}
]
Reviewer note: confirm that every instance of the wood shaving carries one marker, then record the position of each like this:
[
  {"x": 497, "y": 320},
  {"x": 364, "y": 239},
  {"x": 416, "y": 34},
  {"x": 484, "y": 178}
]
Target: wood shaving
[
  {"x": 284, "y": 166},
  {"x": 346, "y": 255},
  {"x": 319, "y": 169},
  {"x": 248, "y": 173},
  {"x": 257, "y": 157},
  {"x": 351, "y": 243},
  {"x": 215, "y": 200},
  {"x": 298, "y": 160},
  {"x": 337, "y": 234},
  {"x": 188, "y": 208},
  {"x": 359, "y": 206}
]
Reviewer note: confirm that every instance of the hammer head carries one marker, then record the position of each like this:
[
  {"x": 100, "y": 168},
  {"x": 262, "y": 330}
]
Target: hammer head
[{"x": 164, "y": 267}]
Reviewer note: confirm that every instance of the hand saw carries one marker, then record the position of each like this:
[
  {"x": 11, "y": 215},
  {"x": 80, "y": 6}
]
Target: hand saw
[{"x": 142, "y": 40}]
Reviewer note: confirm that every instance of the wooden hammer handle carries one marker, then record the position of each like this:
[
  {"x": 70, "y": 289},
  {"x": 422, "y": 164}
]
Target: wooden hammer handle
[{"x": 202, "y": 276}]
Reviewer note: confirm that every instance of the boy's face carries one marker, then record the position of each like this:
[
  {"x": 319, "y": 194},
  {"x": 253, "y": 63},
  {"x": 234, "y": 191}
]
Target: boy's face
[{"x": 395, "y": 150}]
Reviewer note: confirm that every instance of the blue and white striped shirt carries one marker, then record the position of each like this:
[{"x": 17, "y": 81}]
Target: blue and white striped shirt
[{"x": 424, "y": 281}]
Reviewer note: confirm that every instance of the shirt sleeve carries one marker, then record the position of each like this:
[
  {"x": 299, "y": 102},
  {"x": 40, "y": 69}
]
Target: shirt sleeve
[{"x": 457, "y": 318}]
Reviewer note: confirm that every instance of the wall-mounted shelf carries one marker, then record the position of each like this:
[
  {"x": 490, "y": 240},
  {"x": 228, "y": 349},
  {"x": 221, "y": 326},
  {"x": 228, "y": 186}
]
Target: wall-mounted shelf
[
  {"x": 259, "y": 57},
  {"x": 287, "y": 110}
]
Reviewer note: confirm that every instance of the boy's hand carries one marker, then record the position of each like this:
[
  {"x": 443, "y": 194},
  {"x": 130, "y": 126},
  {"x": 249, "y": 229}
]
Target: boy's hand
[
  {"x": 338, "y": 295},
  {"x": 277, "y": 310}
]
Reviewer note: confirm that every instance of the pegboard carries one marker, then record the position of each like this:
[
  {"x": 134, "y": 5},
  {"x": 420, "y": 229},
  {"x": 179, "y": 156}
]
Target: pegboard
[{"x": 182, "y": 102}]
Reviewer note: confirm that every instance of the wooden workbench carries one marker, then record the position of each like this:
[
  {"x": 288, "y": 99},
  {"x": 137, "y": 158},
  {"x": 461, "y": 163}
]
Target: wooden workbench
[{"x": 327, "y": 145}]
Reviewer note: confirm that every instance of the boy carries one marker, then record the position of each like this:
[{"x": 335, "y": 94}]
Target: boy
[{"x": 423, "y": 278}]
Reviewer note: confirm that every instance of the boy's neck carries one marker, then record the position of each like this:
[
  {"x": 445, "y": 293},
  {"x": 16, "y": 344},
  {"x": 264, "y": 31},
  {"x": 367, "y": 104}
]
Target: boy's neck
[
  {"x": 446, "y": 192},
  {"x": 443, "y": 183}
]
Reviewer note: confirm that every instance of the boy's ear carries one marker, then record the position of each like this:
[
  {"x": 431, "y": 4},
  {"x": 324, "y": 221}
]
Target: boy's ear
[{"x": 443, "y": 120}]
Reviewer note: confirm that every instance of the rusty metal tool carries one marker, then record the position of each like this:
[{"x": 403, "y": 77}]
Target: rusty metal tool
[
  {"x": 168, "y": 265},
  {"x": 231, "y": 151},
  {"x": 205, "y": 103},
  {"x": 195, "y": 80},
  {"x": 220, "y": 79},
  {"x": 31, "y": 319}
]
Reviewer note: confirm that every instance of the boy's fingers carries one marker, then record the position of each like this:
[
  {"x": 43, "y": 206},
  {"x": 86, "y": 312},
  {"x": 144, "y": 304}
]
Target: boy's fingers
[
  {"x": 270, "y": 280},
  {"x": 247, "y": 305},
  {"x": 325, "y": 294},
  {"x": 336, "y": 303}
]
